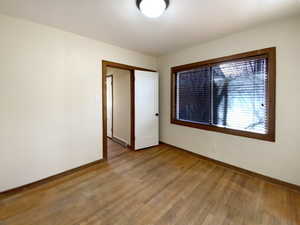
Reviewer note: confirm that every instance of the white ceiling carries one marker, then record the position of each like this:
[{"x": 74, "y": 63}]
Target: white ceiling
[{"x": 118, "y": 22}]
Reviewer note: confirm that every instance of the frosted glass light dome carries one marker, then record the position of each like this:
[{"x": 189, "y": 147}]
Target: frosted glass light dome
[{"x": 152, "y": 8}]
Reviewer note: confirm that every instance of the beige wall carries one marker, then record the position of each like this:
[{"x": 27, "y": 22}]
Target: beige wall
[
  {"x": 50, "y": 95},
  {"x": 121, "y": 104},
  {"x": 281, "y": 159}
]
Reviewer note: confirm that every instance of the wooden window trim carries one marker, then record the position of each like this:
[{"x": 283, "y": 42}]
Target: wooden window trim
[{"x": 270, "y": 53}]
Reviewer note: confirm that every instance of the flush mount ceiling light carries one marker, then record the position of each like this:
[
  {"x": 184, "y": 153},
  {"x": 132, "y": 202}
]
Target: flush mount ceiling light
[{"x": 152, "y": 8}]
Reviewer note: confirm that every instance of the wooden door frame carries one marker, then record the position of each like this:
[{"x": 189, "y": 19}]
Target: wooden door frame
[
  {"x": 112, "y": 104},
  {"x": 105, "y": 65}
]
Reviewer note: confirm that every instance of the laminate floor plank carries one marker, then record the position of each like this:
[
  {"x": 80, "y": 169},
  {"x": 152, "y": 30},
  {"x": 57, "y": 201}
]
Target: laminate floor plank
[
  {"x": 115, "y": 149},
  {"x": 158, "y": 186}
]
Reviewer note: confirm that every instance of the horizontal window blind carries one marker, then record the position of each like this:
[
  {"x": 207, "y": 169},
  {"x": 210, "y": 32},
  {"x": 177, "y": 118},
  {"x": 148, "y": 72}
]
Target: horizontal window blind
[
  {"x": 193, "y": 95},
  {"x": 230, "y": 95},
  {"x": 239, "y": 95}
]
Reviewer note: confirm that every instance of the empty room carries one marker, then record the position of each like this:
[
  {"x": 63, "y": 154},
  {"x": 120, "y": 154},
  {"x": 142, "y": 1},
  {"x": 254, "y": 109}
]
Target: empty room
[{"x": 149, "y": 112}]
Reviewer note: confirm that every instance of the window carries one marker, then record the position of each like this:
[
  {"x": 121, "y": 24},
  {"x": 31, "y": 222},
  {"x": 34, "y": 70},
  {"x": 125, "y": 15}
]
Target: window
[{"x": 234, "y": 94}]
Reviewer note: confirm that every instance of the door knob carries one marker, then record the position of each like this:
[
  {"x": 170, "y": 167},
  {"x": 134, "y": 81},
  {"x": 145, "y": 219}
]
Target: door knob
[{"x": 156, "y": 114}]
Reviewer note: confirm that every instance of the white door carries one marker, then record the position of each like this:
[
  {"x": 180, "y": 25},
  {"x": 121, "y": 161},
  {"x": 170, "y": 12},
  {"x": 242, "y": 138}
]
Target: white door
[
  {"x": 109, "y": 95},
  {"x": 146, "y": 109}
]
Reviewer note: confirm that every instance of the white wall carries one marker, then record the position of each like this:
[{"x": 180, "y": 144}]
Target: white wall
[
  {"x": 50, "y": 99},
  {"x": 280, "y": 160},
  {"x": 121, "y": 104}
]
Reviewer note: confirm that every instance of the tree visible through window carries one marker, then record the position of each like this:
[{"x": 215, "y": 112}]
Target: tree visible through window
[
  {"x": 239, "y": 95},
  {"x": 233, "y": 95}
]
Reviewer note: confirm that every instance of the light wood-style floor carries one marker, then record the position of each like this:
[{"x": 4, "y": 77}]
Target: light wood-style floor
[
  {"x": 159, "y": 186},
  {"x": 114, "y": 149}
]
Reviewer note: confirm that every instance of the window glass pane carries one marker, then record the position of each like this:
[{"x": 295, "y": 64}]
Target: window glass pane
[
  {"x": 239, "y": 95},
  {"x": 194, "y": 95}
]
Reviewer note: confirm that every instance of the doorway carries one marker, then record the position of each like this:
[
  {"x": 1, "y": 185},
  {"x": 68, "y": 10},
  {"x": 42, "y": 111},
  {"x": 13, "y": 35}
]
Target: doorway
[
  {"x": 106, "y": 67},
  {"x": 118, "y": 89}
]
